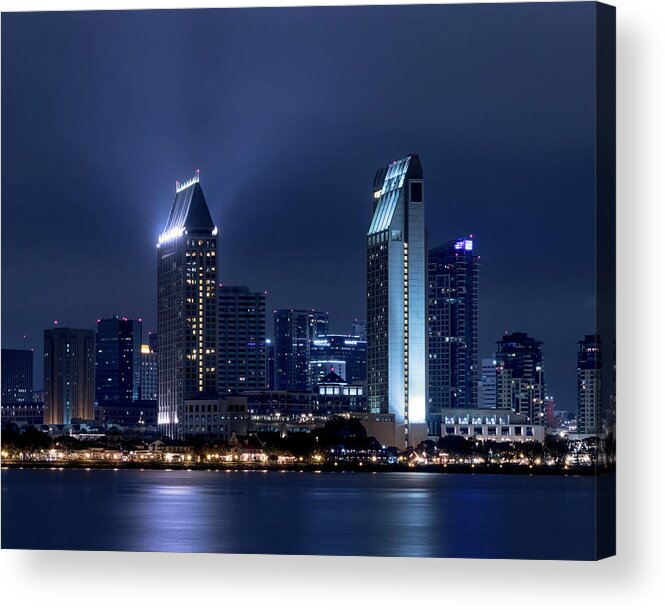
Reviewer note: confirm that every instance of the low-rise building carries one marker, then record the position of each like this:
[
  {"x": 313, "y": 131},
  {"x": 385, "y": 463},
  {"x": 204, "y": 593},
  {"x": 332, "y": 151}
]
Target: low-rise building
[
  {"x": 217, "y": 417},
  {"x": 23, "y": 413},
  {"x": 490, "y": 424}
]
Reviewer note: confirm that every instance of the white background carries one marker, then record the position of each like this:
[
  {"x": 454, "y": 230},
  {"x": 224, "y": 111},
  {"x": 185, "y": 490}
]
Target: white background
[{"x": 635, "y": 578}]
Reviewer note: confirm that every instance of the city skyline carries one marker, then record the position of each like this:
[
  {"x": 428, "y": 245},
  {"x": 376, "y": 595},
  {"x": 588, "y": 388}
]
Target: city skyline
[{"x": 482, "y": 177}]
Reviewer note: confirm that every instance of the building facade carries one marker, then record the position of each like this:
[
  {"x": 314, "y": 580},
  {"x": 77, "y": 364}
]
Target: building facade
[
  {"x": 500, "y": 425},
  {"x": 487, "y": 384},
  {"x": 17, "y": 367},
  {"x": 186, "y": 306},
  {"x": 589, "y": 369},
  {"x": 318, "y": 369},
  {"x": 349, "y": 350},
  {"x": 118, "y": 359},
  {"x": 396, "y": 297},
  {"x": 452, "y": 328},
  {"x": 520, "y": 376},
  {"x": 69, "y": 375},
  {"x": 242, "y": 340},
  {"x": 149, "y": 387},
  {"x": 295, "y": 332},
  {"x": 23, "y": 414},
  {"x": 359, "y": 329}
]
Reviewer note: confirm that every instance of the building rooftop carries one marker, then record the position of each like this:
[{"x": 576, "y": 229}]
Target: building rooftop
[{"x": 189, "y": 211}]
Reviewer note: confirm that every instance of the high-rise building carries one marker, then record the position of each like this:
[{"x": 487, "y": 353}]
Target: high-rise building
[
  {"x": 320, "y": 369},
  {"x": 487, "y": 384},
  {"x": 149, "y": 387},
  {"x": 270, "y": 368},
  {"x": 16, "y": 375},
  {"x": 520, "y": 376},
  {"x": 153, "y": 342},
  {"x": 242, "y": 340},
  {"x": 186, "y": 306},
  {"x": 396, "y": 297},
  {"x": 452, "y": 328},
  {"x": 351, "y": 351},
  {"x": 359, "y": 329},
  {"x": 295, "y": 331},
  {"x": 550, "y": 410},
  {"x": 589, "y": 369},
  {"x": 118, "y": 360},
  {"x": 69, "y": 375}
]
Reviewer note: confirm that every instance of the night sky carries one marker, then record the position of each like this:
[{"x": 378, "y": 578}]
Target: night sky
[{"x": 288, "y": 113}]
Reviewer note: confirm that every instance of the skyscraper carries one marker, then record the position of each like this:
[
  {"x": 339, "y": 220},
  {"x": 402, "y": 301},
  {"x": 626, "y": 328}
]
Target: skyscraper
[
  {"x": 186, "y": 306},
  {"x": 520, "y": 376},
  {"x": 589, "y": 369},
  {"x": 270, "y": 368},
  {"x": 331, "y": 351},
  {"x": 17, "y": 375},
  {"x": 69, "y": 375},
  {"x": 396, "y": 297},
  {"x": 242, "y": 340},
  {"x": 452, "y": 328},
  {"x": 118, "y": 360},
  {"x": 360, "y": 329},
  {"x": 487, "y": 384},
  {"x": 149, "y": 388},
  {"x": 295, "y": 331}
]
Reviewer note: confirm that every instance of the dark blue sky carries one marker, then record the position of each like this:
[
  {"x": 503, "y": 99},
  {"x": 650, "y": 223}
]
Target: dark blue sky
[{"x": 288, "y": 113}]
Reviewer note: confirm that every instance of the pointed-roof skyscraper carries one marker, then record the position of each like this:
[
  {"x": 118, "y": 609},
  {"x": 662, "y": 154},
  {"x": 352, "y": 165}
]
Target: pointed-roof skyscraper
[{"x": 186, "y": 306}]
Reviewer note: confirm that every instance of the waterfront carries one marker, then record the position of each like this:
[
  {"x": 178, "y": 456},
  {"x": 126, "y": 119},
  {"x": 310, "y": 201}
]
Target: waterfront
[{"x": 382, "y": 514}]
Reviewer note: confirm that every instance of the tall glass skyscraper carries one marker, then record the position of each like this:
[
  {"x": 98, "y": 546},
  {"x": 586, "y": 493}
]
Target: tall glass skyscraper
[
  {"x": 118, "y": 360},
  {"x": 452, "y": 328},
  {"x": 186, "y": 306},
  {"x": 242, "y": 340},
  {"x": 396, "y": 297},
  {"x": 295, "y": 331}
]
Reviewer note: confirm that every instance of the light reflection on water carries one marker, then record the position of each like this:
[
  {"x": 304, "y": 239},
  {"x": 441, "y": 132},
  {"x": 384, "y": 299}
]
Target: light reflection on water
[{"x": 395, "y": 514}]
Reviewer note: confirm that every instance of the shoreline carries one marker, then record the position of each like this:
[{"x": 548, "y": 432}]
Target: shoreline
[{"x": 508, "y": 469}]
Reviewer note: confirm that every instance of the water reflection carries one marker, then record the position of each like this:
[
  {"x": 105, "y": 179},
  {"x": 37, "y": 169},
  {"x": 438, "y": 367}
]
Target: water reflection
[{"x": 394, "y": 514}]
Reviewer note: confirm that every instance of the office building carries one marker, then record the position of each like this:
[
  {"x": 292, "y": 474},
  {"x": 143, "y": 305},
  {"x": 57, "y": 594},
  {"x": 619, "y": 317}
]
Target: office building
[
  {"x": 500, "y": 425},
  {"x": 452, "y": 328},
  {"x": 520, "y": 376},
  {"x": 153, "y": 342},
  {"x": 186, "y": 306},
  {"x": 16, "y": 375},
  {"x": 69, "y": 375},
  {"x": 318, "y": 369},
  {"x": 270, "y": 369},
  {"x": 242, "y": 340},
  {"x": 295, "y": 332},
  {"x": 396, "y": 298},
  {"x": 487, "y": 384},
  {"x": 23, "y": 414},
  {"x": 589, "y": 368},
  {"x": 149, "y": 386},
  {"x": 359, "y": 329},
  {"x": 128, "y": 414},
  {"x": 118, "y": 360},
  {"x": 344, "y": 354}
]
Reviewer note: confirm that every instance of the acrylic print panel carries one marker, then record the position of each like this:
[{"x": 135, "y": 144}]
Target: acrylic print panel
[{"x": 330, "y": 281}]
